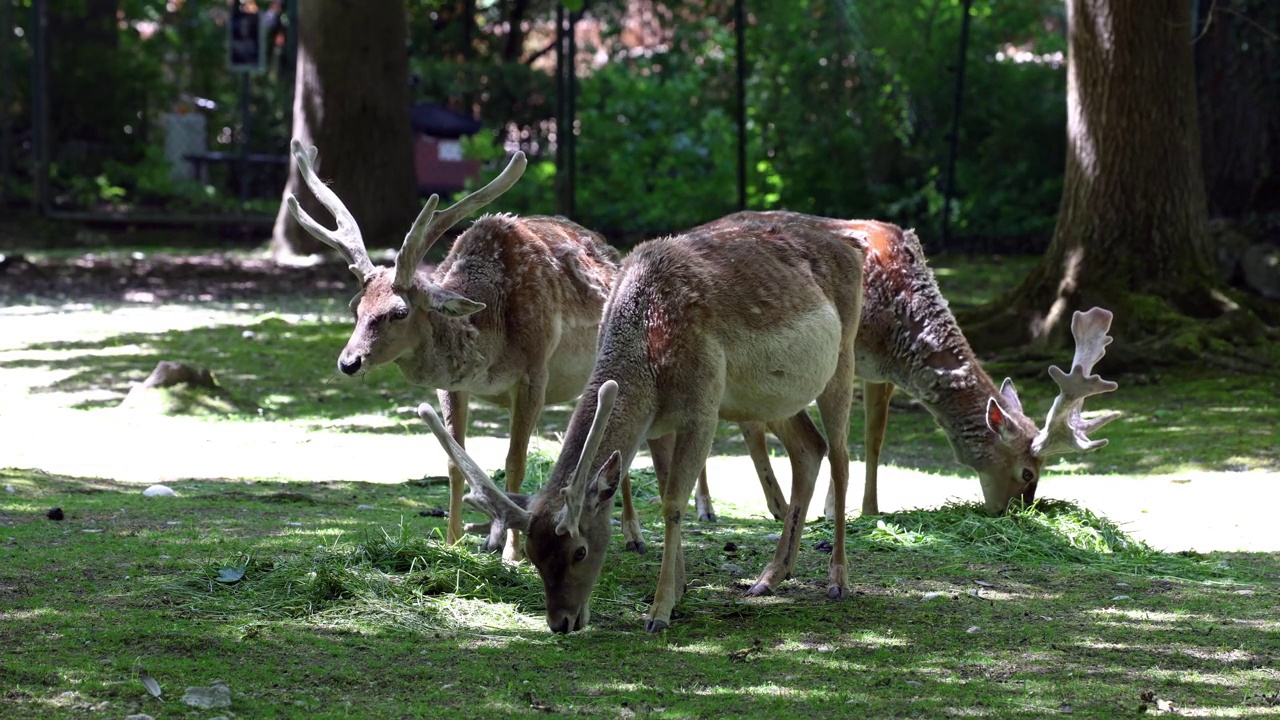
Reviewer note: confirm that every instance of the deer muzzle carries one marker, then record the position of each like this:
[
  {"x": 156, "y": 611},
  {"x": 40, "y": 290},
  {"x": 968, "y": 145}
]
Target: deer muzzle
[
  {"x": 567, "y": 621},
  {"x": 350, "y": 363}
]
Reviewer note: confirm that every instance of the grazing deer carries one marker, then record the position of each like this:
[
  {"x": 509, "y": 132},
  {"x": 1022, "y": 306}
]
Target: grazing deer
[
  {"x": 749, "y": 318},
  {"x": 510, "y": 315},
  {"x": 909, "y": 339}
]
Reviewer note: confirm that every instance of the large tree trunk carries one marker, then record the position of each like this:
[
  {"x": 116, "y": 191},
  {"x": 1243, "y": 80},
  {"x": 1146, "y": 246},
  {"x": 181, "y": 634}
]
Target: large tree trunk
[
  {"x": 351, "y": 100},
  {"x": 1131, "y": 231}
]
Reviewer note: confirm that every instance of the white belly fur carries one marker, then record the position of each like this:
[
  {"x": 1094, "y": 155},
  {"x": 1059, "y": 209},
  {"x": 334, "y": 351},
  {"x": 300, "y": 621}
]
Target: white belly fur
[{"x": 769, "y": 376}]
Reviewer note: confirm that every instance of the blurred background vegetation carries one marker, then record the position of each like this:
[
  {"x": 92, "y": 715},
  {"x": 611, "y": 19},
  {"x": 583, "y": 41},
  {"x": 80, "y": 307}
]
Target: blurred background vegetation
[{"x": 849, "y": 105}]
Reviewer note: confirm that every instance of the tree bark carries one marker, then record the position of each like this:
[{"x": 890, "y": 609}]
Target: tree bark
[
  {"x": 351, "y": 100},
  {"x": 1131, "y": 231}
]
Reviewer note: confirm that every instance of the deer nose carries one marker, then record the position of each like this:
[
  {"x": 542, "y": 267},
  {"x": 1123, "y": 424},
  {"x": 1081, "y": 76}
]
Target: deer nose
[
  {"x": 560, "y": 626},
  {"x": 349, "y": 366}
]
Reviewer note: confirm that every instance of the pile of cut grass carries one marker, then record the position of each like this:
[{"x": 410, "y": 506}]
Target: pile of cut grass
[
  {"x": 393, "y": 577},
  {"x": 1054, "y": 533}
]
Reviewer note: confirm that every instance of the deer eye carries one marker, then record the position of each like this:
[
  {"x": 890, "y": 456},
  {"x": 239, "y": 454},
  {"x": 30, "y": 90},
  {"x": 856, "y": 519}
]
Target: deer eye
[
  {"x": 580, "y": 554},
  {"x": 401, "y": 312},
  {"x": 1027, "y": 475}
]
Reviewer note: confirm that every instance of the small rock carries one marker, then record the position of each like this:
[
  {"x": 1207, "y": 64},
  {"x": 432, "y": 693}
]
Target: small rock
[
  {"x": 55, "y": 514},
  {"x": 914, "y": 683},
  {"x": 159, "y": 491},
  {"x": 930, "y": 596},
  {"x": 10, "y": 489},
  {"x": 294, "y": 524},
  {"x": 173, "y": 522},
  {"x": 973, "y": 629},
  {"x": 824, "y": 546},
  {"x": 139, "y": 716},
  {"x": 248, "y": 334},
  {"x": 366, "y": 507},
  {"x": 1244, "y": 592},
  {"x": 730, "y": 547},
  {"x": 1121, "y": 597},
  {"x": 207, "y": 698},
  {"x": 773, "y": 536},
  {"x": 734, "y": 570}
]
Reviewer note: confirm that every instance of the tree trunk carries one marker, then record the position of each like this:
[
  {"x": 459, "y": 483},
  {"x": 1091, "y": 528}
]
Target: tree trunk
[
  {"x": 351, "y": 100},
  {"x": 1131, "y": 231},
  {"x": 1239, "y": 93}
]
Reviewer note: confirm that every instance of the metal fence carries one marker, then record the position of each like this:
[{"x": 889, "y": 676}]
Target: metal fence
[{"x": 178, "y": 133}]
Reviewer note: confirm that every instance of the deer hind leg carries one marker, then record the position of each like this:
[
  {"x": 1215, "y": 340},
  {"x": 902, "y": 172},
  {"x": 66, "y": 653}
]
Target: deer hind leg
[
  {"x": 833, "y": 405},
  {"x": 688, "y": 456},
  {"x": 875, "y": 397},
  {"x": 805, "y": 447},
  {"x": 702, "y": 499},
  {"x": 660, "y": 450},
  {"x": 526, "y": 406},
  {"x": 454, "y": 407},
  {"x": 758, "y": 449}
]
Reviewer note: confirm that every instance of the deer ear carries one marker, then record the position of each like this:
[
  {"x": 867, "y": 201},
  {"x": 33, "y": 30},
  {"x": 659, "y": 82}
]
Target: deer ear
[
  {"x": 998, "y": 421},
  {"x": 605, "y": 484},
  {"x": 451, "y": 304},
  {"x": 1009, "y": 394}
]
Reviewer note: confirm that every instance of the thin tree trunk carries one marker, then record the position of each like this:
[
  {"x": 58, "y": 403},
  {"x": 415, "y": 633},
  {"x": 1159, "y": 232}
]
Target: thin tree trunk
[
  {"x": 1132, "y": 220},
  {"x": 351, "y": 101}
]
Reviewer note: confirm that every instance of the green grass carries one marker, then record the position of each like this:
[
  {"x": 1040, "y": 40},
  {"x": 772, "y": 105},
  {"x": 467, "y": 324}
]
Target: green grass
[
  {"x": 309, "y": 605},
  {"x": 365, "y": 613}
]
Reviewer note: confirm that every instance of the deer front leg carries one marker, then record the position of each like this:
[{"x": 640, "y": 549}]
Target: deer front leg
[
  {"x": 526, "y": 406},
  {"x": 454, "y": 407},
  {"x": 875, "y": 396},
  {"x": 758, "y": 449},
  {"x": 805, "y": 447},
  {"x": 688, "y": 456}
]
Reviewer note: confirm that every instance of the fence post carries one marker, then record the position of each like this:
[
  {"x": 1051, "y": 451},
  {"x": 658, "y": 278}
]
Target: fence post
[
  {"x": 954, "y": 137},
  {"x": 6, "y": 101},
  {"x": 740, "y": 35}
]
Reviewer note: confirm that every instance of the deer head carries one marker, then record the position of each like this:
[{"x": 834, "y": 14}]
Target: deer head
[
  {"x": 568, "y": 526},
  {"x": 1021, "y": 448},
  {"x": 395, "y": 308}
]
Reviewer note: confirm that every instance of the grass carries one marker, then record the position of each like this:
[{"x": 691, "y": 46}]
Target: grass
[
  {"x": 337, "y": 598},
  {"x": 343, "y": 612}
]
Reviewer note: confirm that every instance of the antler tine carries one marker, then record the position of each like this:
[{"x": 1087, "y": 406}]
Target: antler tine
[
  {"x": 575, "y": 492},
  {"x": 485, "y": 495},
  {"x": 1064, "y": 430},
  {"x": 432, "y": 223},
  {"x": 346, "y": 238}
]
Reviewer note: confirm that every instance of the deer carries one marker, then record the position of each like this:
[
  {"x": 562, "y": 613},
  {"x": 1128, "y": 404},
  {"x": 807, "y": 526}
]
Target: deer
[
  {"x": 746, "y": 319},
  {"x": 909, "y": 339},
  {"x": 510, "y": 316}
]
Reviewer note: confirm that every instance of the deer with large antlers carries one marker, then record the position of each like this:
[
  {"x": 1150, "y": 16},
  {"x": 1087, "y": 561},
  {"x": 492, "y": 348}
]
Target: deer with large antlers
[
  {"x": 750, "y": 319},
  {"x": 910, "y": 340},
  {"x": 510, "y": 315}
]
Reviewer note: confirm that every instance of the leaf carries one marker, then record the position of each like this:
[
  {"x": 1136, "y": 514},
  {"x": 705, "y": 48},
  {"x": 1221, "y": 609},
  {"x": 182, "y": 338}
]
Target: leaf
[
  {"x": 150, "y": 684},
  {"x": 231, "y": 574}
]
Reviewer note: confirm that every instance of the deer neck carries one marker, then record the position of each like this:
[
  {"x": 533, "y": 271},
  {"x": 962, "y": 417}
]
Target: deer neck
[{"x": 449, "y": 355}]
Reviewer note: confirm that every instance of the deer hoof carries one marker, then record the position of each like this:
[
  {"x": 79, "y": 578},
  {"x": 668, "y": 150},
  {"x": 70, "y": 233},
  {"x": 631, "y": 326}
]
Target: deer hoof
[
  {"x": 760, "y": 589},
  {"x": 709, "y": 517},
  {"x": 635, "y": 546},
  {"x": 835, "y": 592},
  {"x": 655, "y": 625}
]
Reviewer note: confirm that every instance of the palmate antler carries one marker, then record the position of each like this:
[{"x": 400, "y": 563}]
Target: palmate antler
[
  {"x": 346, "y": 238},
  {"x": 432, "y": 223},
  {"x": 428, "y": 228},
  {"x": 1064, "y": 430},
  {"x": 575, "y": 493}
]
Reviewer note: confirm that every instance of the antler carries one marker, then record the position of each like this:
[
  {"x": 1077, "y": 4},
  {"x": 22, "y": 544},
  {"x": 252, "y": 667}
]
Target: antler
[
  {"x": 485, "y": 495},
  {"x": 431, "y": 224},
  {"x": 575, "y": 492},
  {"x": 1064, "y": 430},
  {"x": 346, "y": 239}
]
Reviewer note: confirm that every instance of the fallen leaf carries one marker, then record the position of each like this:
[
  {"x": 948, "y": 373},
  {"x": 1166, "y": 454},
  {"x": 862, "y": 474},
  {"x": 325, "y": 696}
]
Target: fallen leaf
[
  {"x": 231, "y": 574},
  {"x": 150, "y": 684}
]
